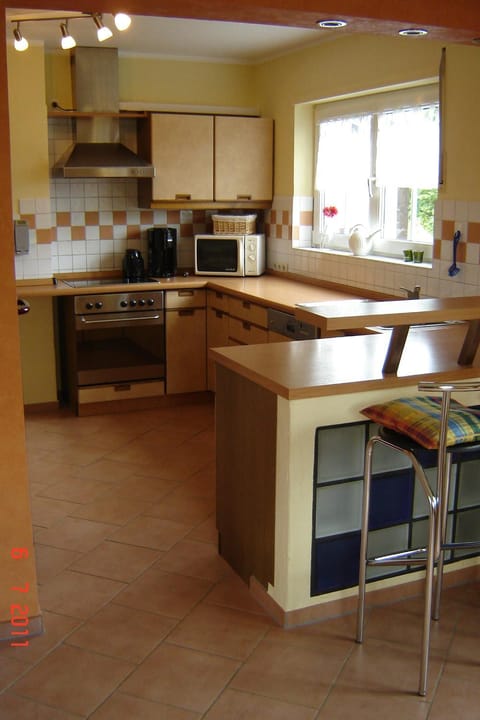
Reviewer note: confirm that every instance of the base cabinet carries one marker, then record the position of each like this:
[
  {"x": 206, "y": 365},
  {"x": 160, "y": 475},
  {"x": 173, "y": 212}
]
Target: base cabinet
[{"x": 185, "y": 332}]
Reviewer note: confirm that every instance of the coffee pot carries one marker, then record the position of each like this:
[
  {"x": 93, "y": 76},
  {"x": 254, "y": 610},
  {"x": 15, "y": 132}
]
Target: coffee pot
[{"x": 133, "y": 266}]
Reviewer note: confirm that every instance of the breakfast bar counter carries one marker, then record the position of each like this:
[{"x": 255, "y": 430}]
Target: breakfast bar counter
[{"x": 290, "y": 443}]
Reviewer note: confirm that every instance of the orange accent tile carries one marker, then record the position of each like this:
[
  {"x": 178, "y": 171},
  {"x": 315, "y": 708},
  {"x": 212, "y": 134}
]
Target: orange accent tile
[
  {"x": 44, "y": 236},
  {"x": 30, "y": 220},
  {"x": 106, "y": 232},
  {"x": 285, "y": 217},
  {"x": 278, "y": 229},
  {"x": 119, "y": 217},
  {"x": 273, "y": 217},
  {"x": 78, "y": 233},
  {"x": 173, "y": 216},
  {"x": 63, "y": 219},
  {"x": 295, "y": 232},
  {"x": 92, "y": 218},
  {"x": 146, "y": 217},
  {"x": 306, "y": 217},
  {"x": 474, "y": 232},
  {"x": 437, "y": 249},
  {"x": 186, "y": 230},
  {"x": 461, "y": 251},
  {"x": 448, "y": 228},
  {"x": 133, "y": 232},
  {"x": 198, "y": 216}
]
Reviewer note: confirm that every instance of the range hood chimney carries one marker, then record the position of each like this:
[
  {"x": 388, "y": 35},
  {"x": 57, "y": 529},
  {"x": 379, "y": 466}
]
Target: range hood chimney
[{"x": 97, "y": 151}]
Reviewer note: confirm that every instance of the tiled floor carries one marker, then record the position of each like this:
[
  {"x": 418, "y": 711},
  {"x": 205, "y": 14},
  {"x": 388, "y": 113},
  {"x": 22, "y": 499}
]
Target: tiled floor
[{"x": 144, "y": 621}]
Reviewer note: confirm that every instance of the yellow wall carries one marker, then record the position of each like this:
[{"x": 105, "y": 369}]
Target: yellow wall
[{"x": 28, "y": 124}]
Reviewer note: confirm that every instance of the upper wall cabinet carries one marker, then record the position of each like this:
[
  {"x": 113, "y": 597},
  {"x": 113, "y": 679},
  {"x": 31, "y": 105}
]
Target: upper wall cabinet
[
  {"x": 243, "y": 159},
  {"x": 206, "y": 161}
]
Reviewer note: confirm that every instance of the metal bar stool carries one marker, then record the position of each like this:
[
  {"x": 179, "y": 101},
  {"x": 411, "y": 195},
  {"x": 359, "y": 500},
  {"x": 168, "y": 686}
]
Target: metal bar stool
[{"x": 432, "y": 555}]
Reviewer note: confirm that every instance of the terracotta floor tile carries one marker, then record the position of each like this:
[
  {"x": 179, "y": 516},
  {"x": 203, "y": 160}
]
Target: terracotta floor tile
[
  {"x": 75, "y": 534},
  {"x": 298, "y": 674},
  {"x": 165, "y": 593},
  {"x": 47, "y": 511},
  {"x": 181, "y": 506},
  {"x": 77, "y": 595},
  {"x": 105, "y": 470},
  {"x": 197, "y": 559},
  {"x": 125, "y": 633},
  {"x": 14, "y": 707},
  {"x": 458, "y": 693},
  {"x": 232, "y": 592},
  {"x": 221, "y": 631},
  {"x": 151, "y": 532},
  {"x": 116, "y": 561},
  {"x": 56, "y": 627},
  {"x": 111, "y": 508},
  {"x": 143, "y": 487},
  {"x": 77, "y": 452},
  {"x": 346, "y": 702},
  {"x": 77, "y": 490},
  {"x": 50, "y": 561},
  {"x": 73, "y": 679},
  {"x": 11, "y": 668},
  {"x": 181, "y": 677},
  {"x": 206, "y": 531},
  {"x": 126, "y": 707},
  {"x": 238, "y": 705}
]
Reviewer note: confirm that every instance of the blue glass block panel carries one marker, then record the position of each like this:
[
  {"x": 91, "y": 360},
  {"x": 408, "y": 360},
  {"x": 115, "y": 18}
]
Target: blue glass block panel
[
  {"x": 382, "y": 542},
  {"x": 339, "y": 452},
  {"x": 391, "y": 500},
  {"x": 469, "y": 487},
  {"x": 335, "y": 563},
  {"x": 338, "y": 508},
  {"x": 420, "y": 534}
]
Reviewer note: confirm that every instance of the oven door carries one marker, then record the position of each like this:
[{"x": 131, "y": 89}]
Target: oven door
[{"x": 119, "y": 347}]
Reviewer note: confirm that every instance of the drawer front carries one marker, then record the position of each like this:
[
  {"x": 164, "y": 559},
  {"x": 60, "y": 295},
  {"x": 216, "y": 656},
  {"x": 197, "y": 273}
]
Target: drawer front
[
  {"x": 246, "y": 310},
  {"x": 217, "y": 299},
  {"x": 122, "y": 391},
  {"x": 184, "y": 298},
  {"x": 242, "y": 332}
]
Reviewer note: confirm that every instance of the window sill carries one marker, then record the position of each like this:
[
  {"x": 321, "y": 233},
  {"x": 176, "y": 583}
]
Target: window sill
[{"x": 374, "y": 258}]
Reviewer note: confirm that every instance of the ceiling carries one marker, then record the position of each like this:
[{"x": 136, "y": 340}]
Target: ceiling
[
  {"x": 249, "y": 31},
  {"x": 174, "y": 37}
]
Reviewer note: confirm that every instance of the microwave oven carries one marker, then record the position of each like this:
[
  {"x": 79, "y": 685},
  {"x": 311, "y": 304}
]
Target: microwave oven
[{"x": 230, "y": 255}]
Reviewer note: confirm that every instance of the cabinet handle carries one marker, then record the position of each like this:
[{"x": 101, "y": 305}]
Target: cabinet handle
[
  {"x": 246, "y": 325},
  {"x": 219, "y": 314},
  {"x": 186, "y": 293},
  {"x": 244, "y": 197},
  {"x": 185, "y": 312},
  {"x": 183, "y": 196},
  {"x": 246, "y": 304}
]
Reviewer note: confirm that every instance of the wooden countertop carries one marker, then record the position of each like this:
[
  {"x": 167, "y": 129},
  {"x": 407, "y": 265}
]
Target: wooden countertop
[
  {"x": 316, "y": 368},
  {"x": 270, "y": 290}
]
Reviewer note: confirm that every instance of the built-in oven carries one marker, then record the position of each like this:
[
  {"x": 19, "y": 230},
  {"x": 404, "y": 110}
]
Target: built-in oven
[{"x": 113, "y": 347}]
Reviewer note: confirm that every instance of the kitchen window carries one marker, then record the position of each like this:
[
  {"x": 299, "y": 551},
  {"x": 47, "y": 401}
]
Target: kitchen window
[{"x": 377, "y": 164}]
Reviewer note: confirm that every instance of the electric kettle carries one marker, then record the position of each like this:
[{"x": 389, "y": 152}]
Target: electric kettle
[{"x": 133, "y": 266}]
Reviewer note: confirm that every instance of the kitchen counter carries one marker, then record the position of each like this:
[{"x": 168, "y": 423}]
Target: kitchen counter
[{"x": 290, "y": 444}]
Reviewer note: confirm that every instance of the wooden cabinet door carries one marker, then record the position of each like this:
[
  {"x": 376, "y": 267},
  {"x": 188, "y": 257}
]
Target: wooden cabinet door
[
  {"x": 217, "y": 336},
  {"x": 243, "y": 158},
  {"x": 182, "y": 153},
  {"x": 186, "y": 350}
]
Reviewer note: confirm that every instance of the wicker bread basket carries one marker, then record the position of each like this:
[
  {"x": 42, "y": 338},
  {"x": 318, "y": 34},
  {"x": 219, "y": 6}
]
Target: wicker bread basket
[{"x": 234, "y": 224}]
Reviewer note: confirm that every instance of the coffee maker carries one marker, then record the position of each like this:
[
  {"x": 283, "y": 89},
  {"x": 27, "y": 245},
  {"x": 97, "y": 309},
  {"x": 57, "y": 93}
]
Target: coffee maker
[
  {"x": 162, "y": 251},
  {"x": 133, "y": 266}
]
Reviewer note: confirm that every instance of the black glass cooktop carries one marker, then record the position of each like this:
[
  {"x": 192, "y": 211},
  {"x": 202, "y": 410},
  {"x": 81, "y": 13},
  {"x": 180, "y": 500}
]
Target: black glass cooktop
[{"x": 95, "y": 282}]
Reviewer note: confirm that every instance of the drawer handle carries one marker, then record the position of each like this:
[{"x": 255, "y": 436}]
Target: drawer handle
[
  {"x": 246, "y": 325},
  {"x": 219, "y": 314},
  {"x": 124, "y": 387},
  {"x": 187, "y": 311},
  {"x": 244, "y": 197},
  {"x": 183, "y": 196},
  {"x": 186, "y": 293},
  {"x": 247, "y": 305}
]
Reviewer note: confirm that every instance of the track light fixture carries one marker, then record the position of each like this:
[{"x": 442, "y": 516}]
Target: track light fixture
[
  {"x": 122, "y": 22},
  {"x": 67, "y": 41},
  {"x": 20, "y": 42},
  {"x": 103, "y": 32}
]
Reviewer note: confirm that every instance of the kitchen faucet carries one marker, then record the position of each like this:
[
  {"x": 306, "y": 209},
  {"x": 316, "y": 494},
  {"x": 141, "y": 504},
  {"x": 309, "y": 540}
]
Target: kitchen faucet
[{"x": 412, "y": 294}]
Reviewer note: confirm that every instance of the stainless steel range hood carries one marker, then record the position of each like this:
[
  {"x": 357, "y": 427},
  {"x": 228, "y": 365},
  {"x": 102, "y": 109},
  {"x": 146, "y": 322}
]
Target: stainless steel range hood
[{"x": 97, "y": 151}]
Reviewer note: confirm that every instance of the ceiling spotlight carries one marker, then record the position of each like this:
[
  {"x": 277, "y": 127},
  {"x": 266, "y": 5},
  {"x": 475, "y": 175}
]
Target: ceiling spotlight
[
  {"x": 122, "y": 21},
  {"x": 20, "y": 42},
  {"x": 329, "y": 24},
  {"x": 413, "y": 32},
  {"x": 103, "y": 32},
  {"x": 68, "y": 41}
]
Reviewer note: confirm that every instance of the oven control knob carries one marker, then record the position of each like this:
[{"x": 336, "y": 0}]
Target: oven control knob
[
  {"x": 151, "y": 301},
  {"x": 89, "y": 306},
  {"x": 123, "y": 303},
  {"x": 99, "y": 305},
  {"x": 133, "y": 303},
  {"x": 141, "y": 302}
]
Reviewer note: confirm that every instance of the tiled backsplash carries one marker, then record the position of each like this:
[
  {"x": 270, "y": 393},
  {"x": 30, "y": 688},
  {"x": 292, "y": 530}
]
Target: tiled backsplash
[{"x": 289, "y": 227}]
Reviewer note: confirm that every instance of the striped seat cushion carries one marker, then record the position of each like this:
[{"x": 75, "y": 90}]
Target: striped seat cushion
[{"x": 419, "y": 418}]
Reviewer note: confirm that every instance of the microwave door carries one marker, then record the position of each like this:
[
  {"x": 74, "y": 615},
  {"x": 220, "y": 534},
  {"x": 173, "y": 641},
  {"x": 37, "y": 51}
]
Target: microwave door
[{"x": 217, "y": 254}]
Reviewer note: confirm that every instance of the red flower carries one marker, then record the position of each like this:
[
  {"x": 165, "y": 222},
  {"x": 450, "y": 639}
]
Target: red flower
[{"x": 330, "y": 211}]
